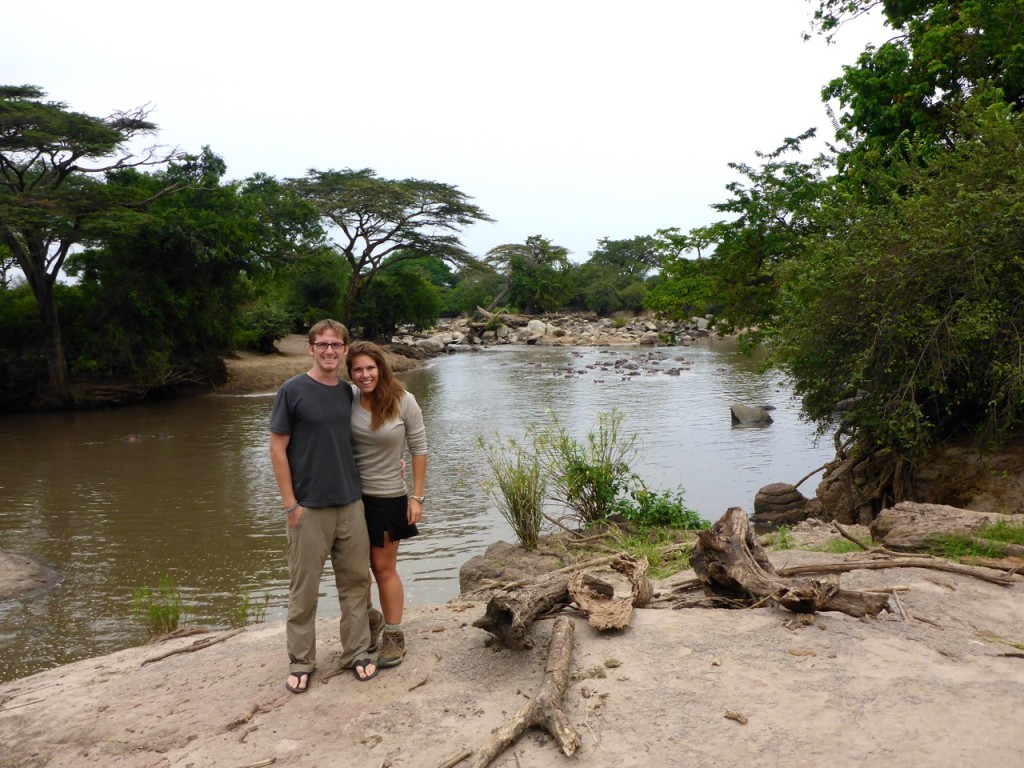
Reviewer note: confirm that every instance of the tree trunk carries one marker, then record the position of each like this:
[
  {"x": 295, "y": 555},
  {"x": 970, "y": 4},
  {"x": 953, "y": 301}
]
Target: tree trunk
[
  {"x": 732, "y": 565},
  {"x": 32, "y": 261}
]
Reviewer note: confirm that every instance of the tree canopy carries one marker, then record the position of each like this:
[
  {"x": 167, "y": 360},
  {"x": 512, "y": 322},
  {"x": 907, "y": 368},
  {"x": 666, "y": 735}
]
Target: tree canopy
[
  {"x": 886, "y": 273},
  {"x": 378, "y": 223},
  {"x": 52, "y": 195}
]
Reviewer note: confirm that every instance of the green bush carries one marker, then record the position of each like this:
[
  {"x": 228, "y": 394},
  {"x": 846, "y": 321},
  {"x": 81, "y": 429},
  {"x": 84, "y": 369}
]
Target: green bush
[
  {"x": 517, "y": 487},
  {"x": 159, "y": 611},
  {"x": 261, "y": 325},
  {"x": 589, "y": 475},
  {"x": 666, "y": 509}
]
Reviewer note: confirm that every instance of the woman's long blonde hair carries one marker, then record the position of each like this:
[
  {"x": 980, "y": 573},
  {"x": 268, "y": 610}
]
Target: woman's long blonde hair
[{"x": 389, "y": 390}]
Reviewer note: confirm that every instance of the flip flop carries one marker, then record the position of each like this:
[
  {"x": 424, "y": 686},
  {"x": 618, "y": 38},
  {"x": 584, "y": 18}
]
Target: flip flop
[
  {"x": 361, "y": 665},
  {"x": 304, "y": 681}
]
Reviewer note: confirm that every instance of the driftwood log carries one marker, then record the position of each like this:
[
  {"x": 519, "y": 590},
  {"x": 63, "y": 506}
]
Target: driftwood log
[
  {"x": 732, "y": 566},
  {"x": 544, "y": 709},
  {"x": 596, "y": 597},
  {"x": 509, "y": 319},
  {"x": 512, "y": 610},
  {"x": 510, "y": 613}
]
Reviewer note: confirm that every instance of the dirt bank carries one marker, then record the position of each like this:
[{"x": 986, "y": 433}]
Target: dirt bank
[{"x": 250, "y": 373}]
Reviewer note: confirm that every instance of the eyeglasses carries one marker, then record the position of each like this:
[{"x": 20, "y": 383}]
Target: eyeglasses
[{"x": 323, "y": 346}]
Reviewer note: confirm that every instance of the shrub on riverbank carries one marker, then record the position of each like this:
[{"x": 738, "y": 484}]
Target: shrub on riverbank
[{"x": 592, "y": 478}]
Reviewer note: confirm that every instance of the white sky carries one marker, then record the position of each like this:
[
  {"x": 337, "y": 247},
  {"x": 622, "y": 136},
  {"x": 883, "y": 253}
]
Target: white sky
[{"x": 569, "y": 119}]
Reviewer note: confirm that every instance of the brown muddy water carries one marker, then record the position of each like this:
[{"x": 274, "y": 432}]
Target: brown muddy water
[{"x": 114, "y": 498}]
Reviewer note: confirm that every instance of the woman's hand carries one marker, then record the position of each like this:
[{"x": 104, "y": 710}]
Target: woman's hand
[{"x": 414, "y": 513}]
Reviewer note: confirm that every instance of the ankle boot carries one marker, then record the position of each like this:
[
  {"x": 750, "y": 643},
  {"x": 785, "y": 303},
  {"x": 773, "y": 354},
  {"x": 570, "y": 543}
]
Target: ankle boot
[
  {"x": 376, "y": 625},
  {"x": 392, "y": 648}
]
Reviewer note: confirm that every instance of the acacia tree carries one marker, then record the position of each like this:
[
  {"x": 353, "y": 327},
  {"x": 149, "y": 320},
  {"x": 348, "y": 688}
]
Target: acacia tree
[
  {"x": 372, "y": 219},
  {"x": 53, "y": 196}
]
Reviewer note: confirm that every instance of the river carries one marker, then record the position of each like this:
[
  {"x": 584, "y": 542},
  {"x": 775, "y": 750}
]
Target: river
[{"x": 192, "y": 495}]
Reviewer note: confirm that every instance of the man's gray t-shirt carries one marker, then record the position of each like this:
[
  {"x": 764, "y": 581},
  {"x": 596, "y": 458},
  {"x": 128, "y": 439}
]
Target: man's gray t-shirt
[{"x": 318, "y": 418}]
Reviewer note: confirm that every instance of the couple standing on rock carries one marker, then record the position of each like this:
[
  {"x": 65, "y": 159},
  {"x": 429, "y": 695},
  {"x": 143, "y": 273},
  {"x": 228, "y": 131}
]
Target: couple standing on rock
[{"x": 337, "y": 452}]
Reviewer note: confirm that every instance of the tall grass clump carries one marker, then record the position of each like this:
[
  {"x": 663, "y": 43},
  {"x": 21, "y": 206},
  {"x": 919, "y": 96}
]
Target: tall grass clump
[
  {"x": 517, "y": 487},
  {"x": 159, "y": 611},
  {"x": 251, "y": 611},
  {"x": 588, "y": 475}
]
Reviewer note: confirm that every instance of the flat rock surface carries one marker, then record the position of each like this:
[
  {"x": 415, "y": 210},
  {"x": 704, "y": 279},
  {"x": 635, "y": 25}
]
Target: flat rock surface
[{"x": 939, "y": 688}]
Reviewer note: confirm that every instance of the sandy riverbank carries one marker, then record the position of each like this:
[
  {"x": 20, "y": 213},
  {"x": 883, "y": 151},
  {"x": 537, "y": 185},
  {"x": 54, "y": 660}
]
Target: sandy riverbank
[{"x": 250, "y": 373}]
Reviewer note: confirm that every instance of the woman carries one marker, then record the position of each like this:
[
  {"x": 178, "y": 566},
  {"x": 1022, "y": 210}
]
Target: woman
[{"x": 386, "y": 422}]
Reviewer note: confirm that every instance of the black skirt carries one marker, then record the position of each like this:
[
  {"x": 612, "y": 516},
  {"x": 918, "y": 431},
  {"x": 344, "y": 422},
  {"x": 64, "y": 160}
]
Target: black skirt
[{"x": 388, "y": 514}]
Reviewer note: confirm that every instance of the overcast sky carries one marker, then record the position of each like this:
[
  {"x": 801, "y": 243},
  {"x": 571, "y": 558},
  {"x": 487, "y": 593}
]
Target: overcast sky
[{"x": 569, "y": 119}]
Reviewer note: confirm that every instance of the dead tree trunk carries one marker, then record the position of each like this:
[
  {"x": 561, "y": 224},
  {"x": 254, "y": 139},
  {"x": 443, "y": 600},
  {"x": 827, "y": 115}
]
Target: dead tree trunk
[
  {"x": 509, "y": 615},
  {"x": 544, "y": 710},
  {"x": 597, "y": 598},
  {"x": 732, "y": 565}
]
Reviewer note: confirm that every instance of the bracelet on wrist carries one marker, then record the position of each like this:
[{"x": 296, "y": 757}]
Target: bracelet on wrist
[
  {"x": 292, "y": 508},
  {"x": 420, "y": 499}
]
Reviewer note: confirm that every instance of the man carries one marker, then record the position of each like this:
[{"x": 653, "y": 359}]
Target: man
[{"x": 311, "y": 453}]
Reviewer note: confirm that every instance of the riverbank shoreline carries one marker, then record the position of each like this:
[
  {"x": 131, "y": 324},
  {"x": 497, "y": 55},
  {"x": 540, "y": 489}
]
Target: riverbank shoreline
[
  {"x": 253, "y": 373},
  {"x": 935, "y": 686}
]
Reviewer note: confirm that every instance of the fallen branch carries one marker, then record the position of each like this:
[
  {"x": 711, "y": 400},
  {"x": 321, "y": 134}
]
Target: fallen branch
[
  {"x": 453, "y": 761},
  {"x": 544, "y": 710},
  {"x": 198, "y": 645},
  {"x": 850, "y": 537},
  {"x": 731, "y": 564},
  {"x": 929, "y": 562}
]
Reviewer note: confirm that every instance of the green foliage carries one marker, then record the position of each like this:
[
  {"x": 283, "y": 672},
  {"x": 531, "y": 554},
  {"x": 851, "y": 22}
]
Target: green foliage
[
  {"x": 592, "y": 478},
  {"x": 781, "y": 538},
  {"x": 539, "y": 275},
  {"x": 167, "y": 289},
  {"x": 773, "y": 210},
  {"x": 986, "y": 542},
  {"x": 261, "y": 325},
  {"x": 517, "y": 487},
  {"x": 916, "y": 310},
  {"x": 475, "y": 286},
  {"x": 918, "y": 81},
  {"x": 840, "y": 547},
  {"x": 250, "y": 611},
  {"x": 377, "y": 220},
  {"x": 652, "y": 509},
  {"x": 587, "y": 475},
  {"x": 687, "y": 287},
  {"x": 54, "y": 198},
  {"x": 22, "y": 359},
  {"x": 159, "y": 611},
  {"x": 315, "y": 287},
  {"x": 656, "y": 546},
  {"x": 400, "y": 296}
]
